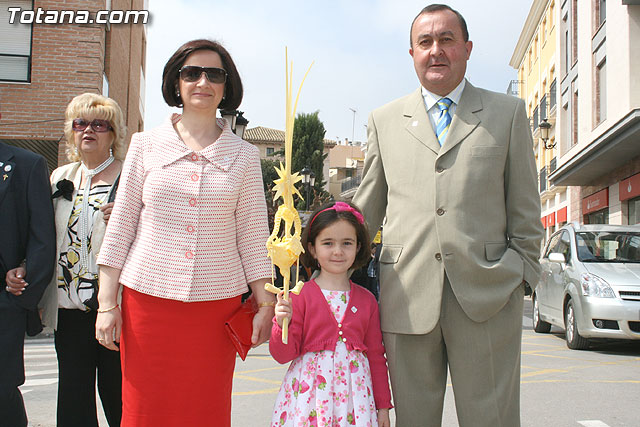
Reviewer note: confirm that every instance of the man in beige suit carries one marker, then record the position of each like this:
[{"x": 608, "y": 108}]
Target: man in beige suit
[{"x": 451, "y": 167}]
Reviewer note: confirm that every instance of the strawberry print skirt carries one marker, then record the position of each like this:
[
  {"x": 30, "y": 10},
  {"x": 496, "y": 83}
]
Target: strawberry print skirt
[{"x": 327, "y": 388}]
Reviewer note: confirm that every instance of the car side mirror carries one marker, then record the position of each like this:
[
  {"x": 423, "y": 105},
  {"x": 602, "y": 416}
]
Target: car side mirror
[{"x": 557, "y": 257}]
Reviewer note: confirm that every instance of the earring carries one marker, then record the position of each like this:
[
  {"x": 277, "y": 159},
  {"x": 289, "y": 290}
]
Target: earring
[{"x": 178, "y": 92}]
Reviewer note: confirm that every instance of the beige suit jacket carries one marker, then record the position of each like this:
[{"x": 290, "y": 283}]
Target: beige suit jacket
[{"x": 469, "y": 209}]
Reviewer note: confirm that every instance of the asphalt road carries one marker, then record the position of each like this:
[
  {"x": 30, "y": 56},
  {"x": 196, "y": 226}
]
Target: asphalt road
[{"x": 560, "y": 387}]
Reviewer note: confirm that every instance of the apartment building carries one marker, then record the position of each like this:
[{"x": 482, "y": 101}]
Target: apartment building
[
  {"x": 535, "y": 58},
  {"x": 43, "y": 65},
  {"x": 598, "y": 115}
]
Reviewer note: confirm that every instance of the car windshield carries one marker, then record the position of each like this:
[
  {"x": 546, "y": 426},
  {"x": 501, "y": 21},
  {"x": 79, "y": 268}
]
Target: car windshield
[{"x": 607, "y": 246}]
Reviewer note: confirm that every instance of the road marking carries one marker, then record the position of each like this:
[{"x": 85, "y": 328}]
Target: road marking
[
  {"x": 259, "y": 380},
  {"x": 43, "y": 381},
  {"x": 45, "y": 372},
  {"x": 593, "y": 423},
  {"x": 249, "y": 393},
  {"x": 542, "y": 372}
]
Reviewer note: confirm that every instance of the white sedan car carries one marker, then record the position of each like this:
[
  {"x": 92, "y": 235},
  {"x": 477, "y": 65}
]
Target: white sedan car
[{"x": 590, "y": 284}]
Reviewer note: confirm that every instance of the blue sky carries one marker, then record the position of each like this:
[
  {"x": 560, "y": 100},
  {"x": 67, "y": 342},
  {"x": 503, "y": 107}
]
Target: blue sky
[{"x": 360, "y": 49}]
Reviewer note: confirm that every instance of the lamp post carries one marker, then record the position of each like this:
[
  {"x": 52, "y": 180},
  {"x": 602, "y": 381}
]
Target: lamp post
[
  {"x": 544, "y": 134},
  {"x": 308, "y": 179},
  {"x": 236, "y": 120}
]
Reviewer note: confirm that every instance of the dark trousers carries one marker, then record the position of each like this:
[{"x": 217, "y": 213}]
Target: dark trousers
[
  {"x": 79, "y": 357},
  {"x": 13, "y": 321}
]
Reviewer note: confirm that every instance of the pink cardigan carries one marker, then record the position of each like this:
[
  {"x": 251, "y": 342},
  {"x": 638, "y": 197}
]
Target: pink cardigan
[{"x": 313, "y": 328}]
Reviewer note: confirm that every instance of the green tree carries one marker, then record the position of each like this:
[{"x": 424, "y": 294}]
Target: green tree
[
  {"x": 308, "y": 150},
  {"x": 269, "y": 174}
]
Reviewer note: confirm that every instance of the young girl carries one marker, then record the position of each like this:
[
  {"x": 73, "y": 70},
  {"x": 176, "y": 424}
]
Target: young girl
[{"x": 338, "y": 376}]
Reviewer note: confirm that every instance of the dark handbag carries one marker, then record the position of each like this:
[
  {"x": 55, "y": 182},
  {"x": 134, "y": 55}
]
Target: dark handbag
[{"x": 239, "y": 327}]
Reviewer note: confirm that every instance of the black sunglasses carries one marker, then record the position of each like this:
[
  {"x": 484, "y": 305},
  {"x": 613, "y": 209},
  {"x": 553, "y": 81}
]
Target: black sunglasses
[
  {"x": 192, "y": 73},
  {"x": 98, "y": 125}
]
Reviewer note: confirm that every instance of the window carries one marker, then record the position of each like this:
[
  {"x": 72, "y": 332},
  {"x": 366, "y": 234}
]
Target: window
[
  {"x": 600, "y": 13},
  {"x": 552, "y": 95},
  {"x": 551, "y": 11},
  {"x": 15, "y": 44},
  {"x": 574, "y": 32},
  {"x": 270, "y": 151},
  {"x": 600, "y": 88},
  {"x": 634, "y": 211},
  {"x": 567, "y": 52},
  {"x": 574, "y": 113},
  {"x": 543, "y": 32}
]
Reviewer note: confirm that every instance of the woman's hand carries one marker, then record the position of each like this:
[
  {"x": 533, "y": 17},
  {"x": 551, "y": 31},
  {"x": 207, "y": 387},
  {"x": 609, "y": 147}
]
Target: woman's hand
[
  {"x": 383, "y": 418},
  {"x": 108, "y": 327},
  {"x": 283, "y": 309},
  {"x": 15, "y": 280},
  {"x": 262, "y": 325},
  {"x": 106, "y": 211}
]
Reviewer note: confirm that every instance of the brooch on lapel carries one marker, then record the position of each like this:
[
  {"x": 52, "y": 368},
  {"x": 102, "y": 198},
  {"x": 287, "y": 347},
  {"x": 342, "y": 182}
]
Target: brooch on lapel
[
  {"x": 65, "y": 189},
  {"x": 7, "y": 168}
]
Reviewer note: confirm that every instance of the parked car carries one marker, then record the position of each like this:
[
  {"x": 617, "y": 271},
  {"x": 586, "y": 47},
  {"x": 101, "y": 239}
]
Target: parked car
[{"x": 590, "y": 284}]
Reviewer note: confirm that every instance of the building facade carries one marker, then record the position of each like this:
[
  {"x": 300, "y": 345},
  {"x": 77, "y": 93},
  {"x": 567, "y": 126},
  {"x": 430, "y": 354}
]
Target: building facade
[
  {"x": 43, "y": 65},
  {"x": 270, "y": 143},
  {"x": 346, "y": 163},
  {"x": 599, "y": 109},
  {"x": 535, "y": 58}
]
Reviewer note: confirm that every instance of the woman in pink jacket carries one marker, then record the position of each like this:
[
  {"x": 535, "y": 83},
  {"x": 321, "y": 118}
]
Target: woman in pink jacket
[
  {"x": 185, "y": 240},
  {"x": 338, "y": 374}
]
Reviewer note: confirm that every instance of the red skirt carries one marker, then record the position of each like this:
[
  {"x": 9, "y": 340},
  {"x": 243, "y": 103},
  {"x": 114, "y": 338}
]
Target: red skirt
[{"x": 177, "y": 361}]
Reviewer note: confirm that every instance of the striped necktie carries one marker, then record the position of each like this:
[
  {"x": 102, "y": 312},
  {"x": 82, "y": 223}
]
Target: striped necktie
[{"x": 444, "y": 120}]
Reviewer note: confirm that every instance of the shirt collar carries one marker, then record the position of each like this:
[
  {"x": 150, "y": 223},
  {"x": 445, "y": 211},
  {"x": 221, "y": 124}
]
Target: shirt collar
[
  {"x": 221, "y": 153},
  {"x": 430, "y": 98}
]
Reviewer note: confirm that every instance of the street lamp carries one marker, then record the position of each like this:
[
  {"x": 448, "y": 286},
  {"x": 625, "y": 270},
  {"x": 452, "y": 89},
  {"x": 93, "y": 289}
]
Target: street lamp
[
  {"x": 236, "y": 120},
  {"x": 308, "y": 179},
  {"x": 544, "y": 134}
]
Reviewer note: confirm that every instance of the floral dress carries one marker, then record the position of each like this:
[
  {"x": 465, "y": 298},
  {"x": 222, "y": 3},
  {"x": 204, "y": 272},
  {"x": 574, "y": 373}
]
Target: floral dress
[{"x": 327, "y": 388}]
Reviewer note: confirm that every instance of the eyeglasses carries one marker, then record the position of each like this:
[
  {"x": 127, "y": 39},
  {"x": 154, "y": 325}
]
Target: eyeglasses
[
  {"x": 98, "y": 125},
  {"x": 192, "y": 73}
]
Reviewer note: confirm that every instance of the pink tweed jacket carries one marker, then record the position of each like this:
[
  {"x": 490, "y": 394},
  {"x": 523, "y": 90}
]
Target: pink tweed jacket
[{"x": 189, "y": 226}]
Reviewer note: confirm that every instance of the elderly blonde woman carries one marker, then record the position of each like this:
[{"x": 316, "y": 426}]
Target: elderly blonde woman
[{"x": 95, "y": 132}]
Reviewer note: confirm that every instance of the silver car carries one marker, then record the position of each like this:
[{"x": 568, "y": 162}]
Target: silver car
[{"x": 590, "y": 284}]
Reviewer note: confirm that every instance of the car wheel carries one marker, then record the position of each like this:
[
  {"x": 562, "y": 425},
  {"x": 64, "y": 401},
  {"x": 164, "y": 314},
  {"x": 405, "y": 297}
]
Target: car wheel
[
  {"x": 574, "y": 340},
  {"x": 540, "y": 326}
]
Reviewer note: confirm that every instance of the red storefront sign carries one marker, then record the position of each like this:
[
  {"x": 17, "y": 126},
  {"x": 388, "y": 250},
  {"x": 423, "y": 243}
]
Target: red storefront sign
[
  {"x": 630, "y": 187},
  {"x": 544, "y": 221},
  {"x": 595, "y": 202},
  {"x": 551, "y": 219},
  {"x": 561, "y": 215}
]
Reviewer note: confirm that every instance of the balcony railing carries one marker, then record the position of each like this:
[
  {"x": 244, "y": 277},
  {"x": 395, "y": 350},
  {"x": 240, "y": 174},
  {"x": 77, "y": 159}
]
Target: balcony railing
[
  {"x": 350, "y": 183},
  {"x": 543, "y": 108},
  {"x": 552, "y": 95},
  {"x": 543, "y": 180},
  {"x": 514, "y": 88},
  {"x": 552, "y": 165},
  {"x": 535, "y": 119}
]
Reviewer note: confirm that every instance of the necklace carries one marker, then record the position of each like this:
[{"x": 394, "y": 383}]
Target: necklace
[{"x": 83, "y": 231}]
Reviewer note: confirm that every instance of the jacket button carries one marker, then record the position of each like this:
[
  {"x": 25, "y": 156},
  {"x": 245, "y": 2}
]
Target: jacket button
[
  {"x": 344, "y": 340},
  {"x": 340, "y": 333},
  {"x": 440, "y": 212},
  {"x": 339, "y": 325},
  {"x": 439, "y": 257}
]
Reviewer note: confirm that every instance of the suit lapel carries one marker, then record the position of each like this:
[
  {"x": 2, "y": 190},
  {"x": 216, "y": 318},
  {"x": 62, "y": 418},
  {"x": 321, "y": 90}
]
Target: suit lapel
[
  {"x": 7, "y": 169},
  {"x": 464, "y": 120},
  {"x": 418, "y": 123}
]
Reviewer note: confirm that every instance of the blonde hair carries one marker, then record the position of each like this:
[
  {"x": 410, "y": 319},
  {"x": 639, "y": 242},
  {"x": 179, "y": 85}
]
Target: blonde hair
[{"x": 101, "y": 107}]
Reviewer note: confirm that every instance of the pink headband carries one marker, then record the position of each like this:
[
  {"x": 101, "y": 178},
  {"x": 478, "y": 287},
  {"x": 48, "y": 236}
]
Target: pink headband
[{"x": 341, "y": 207}]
